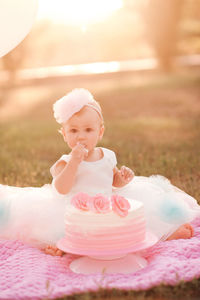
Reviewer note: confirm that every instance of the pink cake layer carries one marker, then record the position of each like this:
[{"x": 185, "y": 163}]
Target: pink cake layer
[
  {"x": 104, "y": 230},
  {"x": 98, "y": 238},
  {"x": 149, "y": 240},
  {"x": 106, "y": 238},
  {"x": 85, "y": 243}
]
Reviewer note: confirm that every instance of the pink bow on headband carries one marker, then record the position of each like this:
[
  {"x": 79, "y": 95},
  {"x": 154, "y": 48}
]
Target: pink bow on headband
[{"x": 72, "y": 103}]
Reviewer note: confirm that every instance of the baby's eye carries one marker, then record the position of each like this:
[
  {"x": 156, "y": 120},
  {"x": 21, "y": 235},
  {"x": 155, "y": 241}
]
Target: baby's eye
[
  {"x": 73, "y": 130},
  {"x": 89, "y": 129}
]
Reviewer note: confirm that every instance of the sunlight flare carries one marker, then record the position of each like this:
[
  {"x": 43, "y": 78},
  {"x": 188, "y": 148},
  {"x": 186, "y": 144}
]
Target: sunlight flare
[{"x": 77, "y": 12}]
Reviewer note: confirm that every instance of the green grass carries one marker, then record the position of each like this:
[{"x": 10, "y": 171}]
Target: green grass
[
  {"x": 181, "y": 291},
  {"x": 154, "y": 129}
]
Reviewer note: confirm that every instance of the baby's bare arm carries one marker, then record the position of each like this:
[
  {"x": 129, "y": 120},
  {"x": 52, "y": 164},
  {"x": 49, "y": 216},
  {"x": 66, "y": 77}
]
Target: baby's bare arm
[
  {"x": 66, "y": 174},
  {"x": 122, "y": 177},
  {"x": 65, "y": 177}
]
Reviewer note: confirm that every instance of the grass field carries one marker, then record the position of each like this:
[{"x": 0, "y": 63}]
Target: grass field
[{"x": 152, "y": 123}]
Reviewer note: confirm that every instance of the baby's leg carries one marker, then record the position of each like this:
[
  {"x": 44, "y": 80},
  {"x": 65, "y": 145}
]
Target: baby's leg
[
  {"x": 185, "y": 231},
  {"x": 52, "y": 250}
]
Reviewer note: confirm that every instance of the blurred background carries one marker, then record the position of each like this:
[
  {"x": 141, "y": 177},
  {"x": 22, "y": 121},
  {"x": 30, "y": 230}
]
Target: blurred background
[
  {"x": 140, "y": 59},
  {"x": 70, "y": 32}
]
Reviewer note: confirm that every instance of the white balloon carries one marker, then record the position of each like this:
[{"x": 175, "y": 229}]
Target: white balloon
[{"x": 16, "y": 20}]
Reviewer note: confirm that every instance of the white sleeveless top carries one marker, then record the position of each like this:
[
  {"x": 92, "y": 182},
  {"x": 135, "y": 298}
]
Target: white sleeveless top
[{"x": 92, "y": 177}]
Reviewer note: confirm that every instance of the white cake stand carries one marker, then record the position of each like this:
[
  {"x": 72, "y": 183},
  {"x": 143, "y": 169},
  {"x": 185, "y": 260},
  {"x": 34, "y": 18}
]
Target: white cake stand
[{"x": 123, "y": 261}]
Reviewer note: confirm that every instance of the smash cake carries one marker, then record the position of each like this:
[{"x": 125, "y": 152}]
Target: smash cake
[{"x": 103, "y": 225}]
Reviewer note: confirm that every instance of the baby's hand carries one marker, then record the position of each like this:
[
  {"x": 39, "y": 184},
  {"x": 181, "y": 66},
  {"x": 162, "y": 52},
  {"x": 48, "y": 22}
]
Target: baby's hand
[
  {"x": 123, "y": 176},
  {"x": 126, "y": 174},
  {"x": 79, "y": 152}
]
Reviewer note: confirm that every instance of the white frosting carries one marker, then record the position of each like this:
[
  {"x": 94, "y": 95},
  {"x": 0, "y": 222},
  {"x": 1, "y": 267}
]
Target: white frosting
[{"x": 90, "y": 221}]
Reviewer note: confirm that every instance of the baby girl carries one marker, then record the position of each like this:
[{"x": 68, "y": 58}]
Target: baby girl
[{"x": 92, "y": 169}]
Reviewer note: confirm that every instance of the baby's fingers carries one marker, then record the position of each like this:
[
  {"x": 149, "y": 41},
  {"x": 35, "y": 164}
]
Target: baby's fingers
[
  {"x": 127, "y": 173},
  {"x": 130, "y": 176},
  {"x": 123, "y": 170}
]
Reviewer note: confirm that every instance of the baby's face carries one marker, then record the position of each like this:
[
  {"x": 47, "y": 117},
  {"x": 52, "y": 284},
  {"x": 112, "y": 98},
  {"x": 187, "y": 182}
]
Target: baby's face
[{"x": 83, "y": 127}]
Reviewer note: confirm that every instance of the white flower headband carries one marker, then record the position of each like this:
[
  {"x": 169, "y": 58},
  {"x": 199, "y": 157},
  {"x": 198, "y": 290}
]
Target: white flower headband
[{"x": 73, "y": 102}]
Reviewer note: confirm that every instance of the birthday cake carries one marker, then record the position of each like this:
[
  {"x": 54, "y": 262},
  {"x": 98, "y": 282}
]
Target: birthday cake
[{"x": 101, "y": 225}]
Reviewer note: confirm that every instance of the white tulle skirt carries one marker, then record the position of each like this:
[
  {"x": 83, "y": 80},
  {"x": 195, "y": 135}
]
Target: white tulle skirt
[
  {"x": 35, "y": 215},
  {"x": 166, "y": 206}
]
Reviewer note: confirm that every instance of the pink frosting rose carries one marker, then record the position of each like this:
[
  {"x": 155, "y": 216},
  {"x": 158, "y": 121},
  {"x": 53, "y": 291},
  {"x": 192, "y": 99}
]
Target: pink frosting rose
[
  {"x": 100, "y": 204},
  {"x": 81, "y": 201},
  {"x": 120, "y": 205}
]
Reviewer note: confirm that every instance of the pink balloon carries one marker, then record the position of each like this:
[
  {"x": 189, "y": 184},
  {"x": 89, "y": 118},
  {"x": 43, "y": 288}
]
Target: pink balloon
[{"x": 16, "y": 20}]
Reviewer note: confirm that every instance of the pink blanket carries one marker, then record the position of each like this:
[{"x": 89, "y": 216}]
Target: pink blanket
[{"x": 28, "y": 273}]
